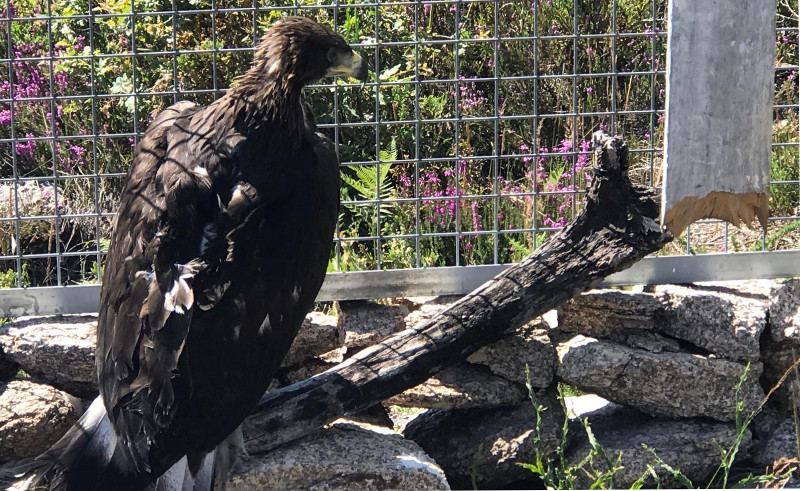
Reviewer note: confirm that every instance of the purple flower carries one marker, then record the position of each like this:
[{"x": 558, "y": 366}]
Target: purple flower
[
  {"x": 61, "y": 78},
  {"x": 25, "y": 149},
  {"x": 469, "y": 97},
  {"x": 476, "y": 216}
]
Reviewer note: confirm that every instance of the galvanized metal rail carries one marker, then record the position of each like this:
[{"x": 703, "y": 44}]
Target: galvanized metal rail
[{"x": 446, "y": 281}]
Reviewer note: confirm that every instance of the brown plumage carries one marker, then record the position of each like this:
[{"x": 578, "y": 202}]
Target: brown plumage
[{"x": 219, "y": 248}]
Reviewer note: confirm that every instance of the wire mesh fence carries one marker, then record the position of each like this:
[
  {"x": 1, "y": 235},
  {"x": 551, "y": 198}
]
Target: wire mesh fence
[{"x": 470, "y": 146}]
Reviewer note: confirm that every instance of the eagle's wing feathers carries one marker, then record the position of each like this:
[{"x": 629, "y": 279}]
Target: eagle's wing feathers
[{"x": 148, "y": 299}]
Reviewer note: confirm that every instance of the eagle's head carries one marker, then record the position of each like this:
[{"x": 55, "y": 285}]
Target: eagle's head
[{"x": 299, "y": 50}]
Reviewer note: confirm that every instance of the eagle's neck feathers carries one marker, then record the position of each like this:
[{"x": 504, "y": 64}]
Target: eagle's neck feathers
[{"x": 267, "y": 99}]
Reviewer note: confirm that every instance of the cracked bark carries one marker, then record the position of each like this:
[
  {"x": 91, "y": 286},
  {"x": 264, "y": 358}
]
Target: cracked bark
[{"x": 616, "y": 228}]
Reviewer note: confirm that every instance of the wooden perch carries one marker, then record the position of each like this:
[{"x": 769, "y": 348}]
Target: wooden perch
[{"x": 616, "y": 228}]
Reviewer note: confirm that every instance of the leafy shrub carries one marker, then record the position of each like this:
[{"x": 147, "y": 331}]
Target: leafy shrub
[{"x": 487, "y": 154}]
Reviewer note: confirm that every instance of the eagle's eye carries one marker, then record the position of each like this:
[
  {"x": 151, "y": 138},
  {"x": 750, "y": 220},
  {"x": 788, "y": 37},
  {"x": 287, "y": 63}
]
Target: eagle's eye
[{"x": 332, "y": 52}]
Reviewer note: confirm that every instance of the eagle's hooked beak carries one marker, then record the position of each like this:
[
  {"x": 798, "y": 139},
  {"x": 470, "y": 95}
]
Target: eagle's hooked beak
[{"x": 350, "y": 65}]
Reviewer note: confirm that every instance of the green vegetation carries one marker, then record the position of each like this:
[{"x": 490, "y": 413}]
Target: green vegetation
[
  {"x": 10, "y": 278},
  {"x": 474, "y": 161},
  {"x": 558, "y": 472}
]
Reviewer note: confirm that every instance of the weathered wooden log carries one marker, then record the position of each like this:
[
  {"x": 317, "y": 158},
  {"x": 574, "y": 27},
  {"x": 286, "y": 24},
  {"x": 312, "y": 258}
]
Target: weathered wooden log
[
  {"x": 616, "y": 228},
  {"x": 718, "y": 131}
]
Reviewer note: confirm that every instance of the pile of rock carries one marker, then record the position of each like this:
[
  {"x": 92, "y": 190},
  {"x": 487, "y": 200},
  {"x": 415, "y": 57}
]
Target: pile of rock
[
  {"x": 675, "y": 360},
  {"x": 682, "y": 357}
]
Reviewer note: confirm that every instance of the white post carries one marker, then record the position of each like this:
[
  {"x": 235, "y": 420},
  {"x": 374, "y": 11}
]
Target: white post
[{"x": 720, "y": 75}]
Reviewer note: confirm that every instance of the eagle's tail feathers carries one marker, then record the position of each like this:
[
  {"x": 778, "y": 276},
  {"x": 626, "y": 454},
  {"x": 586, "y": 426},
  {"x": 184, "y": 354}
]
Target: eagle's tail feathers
[
  {"x": 212, "y": 469},
  {"x": 88, "y": 457}
]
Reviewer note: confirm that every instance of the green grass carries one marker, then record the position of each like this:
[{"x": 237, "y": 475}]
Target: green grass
[{"x": 557, "y": 472}]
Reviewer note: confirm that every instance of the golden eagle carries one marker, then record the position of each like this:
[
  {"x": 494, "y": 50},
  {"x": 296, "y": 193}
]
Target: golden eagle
[{"x": 220, "y": 245}]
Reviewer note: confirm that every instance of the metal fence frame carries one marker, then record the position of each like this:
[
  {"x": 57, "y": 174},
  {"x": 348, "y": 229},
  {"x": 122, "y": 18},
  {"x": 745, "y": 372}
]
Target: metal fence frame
[
  {"x": 447, "y": 281},
  {"x": 458, "y": 279}
]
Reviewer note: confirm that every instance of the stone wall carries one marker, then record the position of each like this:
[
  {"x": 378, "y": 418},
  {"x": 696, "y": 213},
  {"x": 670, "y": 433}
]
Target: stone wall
[{"x": 658, "y": 367}]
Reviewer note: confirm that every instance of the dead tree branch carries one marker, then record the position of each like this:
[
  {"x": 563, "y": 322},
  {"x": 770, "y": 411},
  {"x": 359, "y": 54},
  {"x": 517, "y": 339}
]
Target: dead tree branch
[{"x": 616, "y": 228}]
